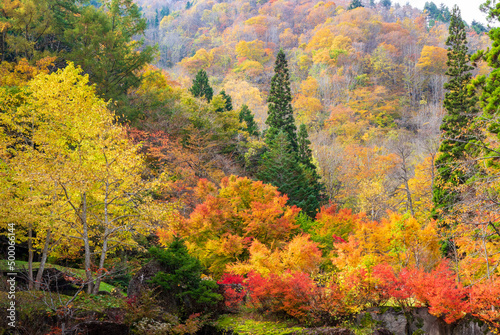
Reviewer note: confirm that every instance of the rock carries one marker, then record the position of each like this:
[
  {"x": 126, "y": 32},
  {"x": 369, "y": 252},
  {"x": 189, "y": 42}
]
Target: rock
[
  {"x": 418, "y": 321},
  {"x": 393, "y": 321},
  {"x": 468, "y": 326}
]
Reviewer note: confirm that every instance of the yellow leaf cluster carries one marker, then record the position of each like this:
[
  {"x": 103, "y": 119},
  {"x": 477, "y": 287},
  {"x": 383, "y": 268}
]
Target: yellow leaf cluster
[{"x": 300, "y": 254}]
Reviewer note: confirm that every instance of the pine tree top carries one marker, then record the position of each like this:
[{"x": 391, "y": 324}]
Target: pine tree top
[
  {"x": 280, "y": 112},
  {"x": 201, "y": 86}
]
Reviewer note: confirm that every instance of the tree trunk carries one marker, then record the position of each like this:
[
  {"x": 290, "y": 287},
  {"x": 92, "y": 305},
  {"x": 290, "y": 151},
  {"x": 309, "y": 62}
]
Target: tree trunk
[
  {"x": 104, "y": 249},
  {"x": 101, "y": 262},
  {"x": 408, "y": 198},
  {"x": 45, "y": 254},
  {"x": 30, "y": 257},
  {"x": 88, "y": 271}
]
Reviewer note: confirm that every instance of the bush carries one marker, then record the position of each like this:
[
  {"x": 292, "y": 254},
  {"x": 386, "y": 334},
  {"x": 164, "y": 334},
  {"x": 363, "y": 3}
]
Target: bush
[
  {"x": 436, "y": 289},
  {"x": 233, "y": 290},
  {"x": 182, "y": 279},
  {"x": 289, "y": 294}
]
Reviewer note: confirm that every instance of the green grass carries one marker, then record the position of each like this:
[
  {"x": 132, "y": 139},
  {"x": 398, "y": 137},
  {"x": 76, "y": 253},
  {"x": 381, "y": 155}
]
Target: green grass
[
  {"x": 244, "y": 326},
  {"x": 50, "y": 301},
  {"x": 77, "y": 273}
]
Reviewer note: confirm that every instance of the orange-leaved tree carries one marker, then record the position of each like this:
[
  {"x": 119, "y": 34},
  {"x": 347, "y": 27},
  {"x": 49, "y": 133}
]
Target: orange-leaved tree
[
  {"x": 399, "y": 240},
  {"x": 222, "y": 228},
  {"x": 300, "y": 254}
]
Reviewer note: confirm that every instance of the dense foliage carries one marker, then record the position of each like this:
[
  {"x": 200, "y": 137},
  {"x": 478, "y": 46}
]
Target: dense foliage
[
  {"x": 456, "y": 127},
  {"x": 309, "y": 157},
  {"x": 181, "y": 277}
]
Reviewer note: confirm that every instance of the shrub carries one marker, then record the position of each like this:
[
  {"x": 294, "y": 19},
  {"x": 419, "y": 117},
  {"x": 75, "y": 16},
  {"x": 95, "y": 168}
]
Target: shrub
[
  {"x": 436, "y": 289},
  {"x": 182, "y": 279},
  {"x": 484, "y": 301},
  {"x": 233, "y": 290},
  {"x": 290, "y": 294}
]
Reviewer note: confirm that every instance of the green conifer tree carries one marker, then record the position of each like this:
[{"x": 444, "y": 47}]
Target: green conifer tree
[
  {"x": 246, "y": 116},
  {"x": 180, "y": 276},
  {"x": 280, "y": 113},
  {"x": 228, "y": 102},
  {"x": 280, "y": 167},
  {"x": 456, "y": 131},
  {"x": 355, "y": 4},
  {"x": 490, "y": 85},
  {"x": 305, "y": 152},
  {"x": 285, "y": 165},
  {"x": 201, "y": 87},
  {"x": 306, "y": 160}
]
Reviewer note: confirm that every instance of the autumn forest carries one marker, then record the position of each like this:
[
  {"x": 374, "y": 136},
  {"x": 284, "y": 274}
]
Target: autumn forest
[{"x": 248, "y": 167}]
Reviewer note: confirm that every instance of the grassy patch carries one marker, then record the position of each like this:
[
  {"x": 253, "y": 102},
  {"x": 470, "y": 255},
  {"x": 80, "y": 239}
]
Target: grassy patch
[
  {"x": 47, "y": 301},
  {"x": 244, "y": 326},
  {"x": 77, "y": 273}
]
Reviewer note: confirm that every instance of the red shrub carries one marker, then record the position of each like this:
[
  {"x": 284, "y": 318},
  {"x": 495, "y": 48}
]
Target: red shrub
[
  {"x": 441, "y": 292},
  {"x": 484, "y": 300},
  {"x": 233, "y": 290},
  {"x": 391, "y": 286},
  {"x": 289, "y": 293},
  {"x": 437, "y": 289}
]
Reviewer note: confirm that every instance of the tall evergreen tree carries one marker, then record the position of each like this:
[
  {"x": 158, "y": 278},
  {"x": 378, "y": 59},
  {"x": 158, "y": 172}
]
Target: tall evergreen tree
[
  {"x": 281, "y": 168},
  {"x": 280, "y": 113},
  {"x": 287, "y": 165},
  {"x": 306, "y": 160},
  {"x": 460, "y": 109},
  {"x": 228, "y": 102},
  {"x": 246, "y": 116},
  {"x": 201, "y": 87},
  {"x": 490, "y": 99},
  {"x": 304, "y": 153}
]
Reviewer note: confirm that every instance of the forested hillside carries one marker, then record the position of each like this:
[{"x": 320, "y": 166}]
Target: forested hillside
[
  {"x": 163, "y": 163},
  {"x": 367, "y": 82}
]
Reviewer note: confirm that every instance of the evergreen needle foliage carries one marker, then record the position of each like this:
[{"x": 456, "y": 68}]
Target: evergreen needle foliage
[
  {"x": 355, "y": 4},
  {"x": 280, "y": 113},
  {"x": 246, "y": 116},
  {"x": 281, "y": 168},
  {"x": 305, "y": 153},
  {"x": 201, "y": 87},
  {"x": 288, "y": 163},
  {"x": 228, "y": 100},
  {"x": 456, "y": 128},
  {"x": 182, "y": 277}
]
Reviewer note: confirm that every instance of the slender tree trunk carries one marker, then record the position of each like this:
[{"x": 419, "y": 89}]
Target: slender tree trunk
[
  {"x": 30, "y": 256},
  {"x": 483, "y": 238},
  {"x": 404, "y": 153},
  {"x": 88, "y": 271},
  {"x": 104, "y": 249},
  {"x": 101, "y": 261},
  {"x": 408, "y": 198},
  {"x": 45, "y": 254}
]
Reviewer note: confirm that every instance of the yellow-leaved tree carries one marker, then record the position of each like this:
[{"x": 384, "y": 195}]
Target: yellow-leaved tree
[{"x": 76, "y": 163}]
